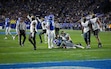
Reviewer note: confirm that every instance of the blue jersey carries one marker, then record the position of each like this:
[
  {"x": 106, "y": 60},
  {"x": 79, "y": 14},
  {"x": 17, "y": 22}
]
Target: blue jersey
[
  {"x": 57, "y": 42},
  {"x": 7, "y": 22},
  {"x": 51, "y": 23}
]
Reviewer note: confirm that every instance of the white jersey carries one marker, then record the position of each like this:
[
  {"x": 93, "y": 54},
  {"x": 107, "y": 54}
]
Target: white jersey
[
  {"x": 94, "y": 23},
  {"x": 32, "y": 27},
  {"x": 29, "y": 18},
  {"x": 33, "y": 24},
  {"x": 85, "y": 25},
  {"x": 65, "y": 36}
]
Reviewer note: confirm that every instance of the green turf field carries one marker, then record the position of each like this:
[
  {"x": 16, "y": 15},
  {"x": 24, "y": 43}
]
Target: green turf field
[{"x": 11, "y": 52}]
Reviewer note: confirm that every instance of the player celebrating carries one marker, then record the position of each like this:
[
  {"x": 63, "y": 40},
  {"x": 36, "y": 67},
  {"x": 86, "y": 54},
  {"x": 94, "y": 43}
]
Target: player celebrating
[
  {"x": 96, "y": 26},
  {"x": 43, "y": 23},
  {"x": 86, "y": 31},
  {"x": 33, "y": 30},
  {"x": 50, "y": 31},
  {"x": 7, "y": 28}
]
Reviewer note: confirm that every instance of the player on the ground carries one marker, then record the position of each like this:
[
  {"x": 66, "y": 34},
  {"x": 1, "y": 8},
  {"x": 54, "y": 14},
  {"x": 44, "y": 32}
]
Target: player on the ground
[
  {"x": 7, "y": 27},
  {"x": 43, "y": 24},
  {"x": 65, "y": 41},
  {"x": 50, "y": 31},
  {"x": 33, "y": 30},
  {"x": 96, "y": 27},
  {"x": 85, "y": 26}
]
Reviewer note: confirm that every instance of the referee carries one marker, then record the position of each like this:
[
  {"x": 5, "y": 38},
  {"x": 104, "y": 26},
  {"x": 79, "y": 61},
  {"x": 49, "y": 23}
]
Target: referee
[{"x": 21, "y": 28}]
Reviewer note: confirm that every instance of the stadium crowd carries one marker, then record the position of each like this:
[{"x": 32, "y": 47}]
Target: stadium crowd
[{"x": 65, "y": 11}]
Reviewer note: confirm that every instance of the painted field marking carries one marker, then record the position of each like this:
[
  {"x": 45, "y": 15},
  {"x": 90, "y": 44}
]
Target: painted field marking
[{"x": 78, "y": 64}]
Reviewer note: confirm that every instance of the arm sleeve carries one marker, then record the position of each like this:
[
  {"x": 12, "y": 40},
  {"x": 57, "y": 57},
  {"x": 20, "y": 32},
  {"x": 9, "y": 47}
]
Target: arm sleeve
[
  {"x": 38, "y": 19},
  {"x": 29, "y": 17}
]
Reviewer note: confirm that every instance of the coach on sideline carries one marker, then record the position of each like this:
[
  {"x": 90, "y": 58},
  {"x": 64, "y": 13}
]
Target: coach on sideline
[{"x": 21, "y": 28}]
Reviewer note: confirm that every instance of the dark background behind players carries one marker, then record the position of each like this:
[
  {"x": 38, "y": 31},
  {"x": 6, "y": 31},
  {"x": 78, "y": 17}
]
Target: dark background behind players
[{"x": 64, "y": 10}]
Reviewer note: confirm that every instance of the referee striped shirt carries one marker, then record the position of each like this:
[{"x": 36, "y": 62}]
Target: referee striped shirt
[{"x": 21, "y": 26}]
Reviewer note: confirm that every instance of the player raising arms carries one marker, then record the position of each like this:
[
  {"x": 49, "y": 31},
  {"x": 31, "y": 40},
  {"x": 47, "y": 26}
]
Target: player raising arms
[
  {"x": 96, "y": 26},
  {"x": 33, "y": 30},
  {"x": 86, "y": 31},
  {"x": 43, "y": 24}
]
